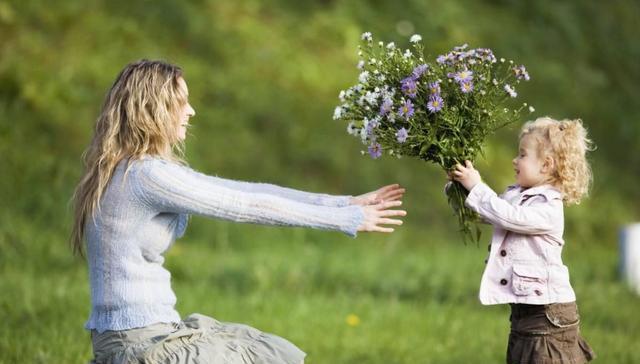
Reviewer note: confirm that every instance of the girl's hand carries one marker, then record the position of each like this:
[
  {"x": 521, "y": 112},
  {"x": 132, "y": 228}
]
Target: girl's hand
[
  {"x": 466, "y": 175},
  {"x": 387, "y": 193},
  {"x": 377, "y": 215}
]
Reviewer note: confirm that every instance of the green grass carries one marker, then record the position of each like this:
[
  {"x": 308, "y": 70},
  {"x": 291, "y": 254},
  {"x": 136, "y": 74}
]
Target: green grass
[{"x": 414, "y": 293}]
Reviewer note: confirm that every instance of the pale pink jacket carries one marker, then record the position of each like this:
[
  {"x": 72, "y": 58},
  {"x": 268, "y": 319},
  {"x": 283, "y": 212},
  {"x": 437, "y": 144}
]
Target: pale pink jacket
[{"x": 524, "y": 263}]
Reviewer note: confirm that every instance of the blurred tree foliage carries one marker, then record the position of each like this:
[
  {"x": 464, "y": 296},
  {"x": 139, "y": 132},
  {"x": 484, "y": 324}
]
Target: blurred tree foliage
[{"x": 264, "y": 78}]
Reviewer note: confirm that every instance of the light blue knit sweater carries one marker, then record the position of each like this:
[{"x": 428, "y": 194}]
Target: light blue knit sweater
[{"x": 143, "y": 213}]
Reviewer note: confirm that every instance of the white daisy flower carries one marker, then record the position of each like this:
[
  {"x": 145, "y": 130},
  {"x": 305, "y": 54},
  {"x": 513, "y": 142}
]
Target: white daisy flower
[
  {"x": 510, "y": 90},
  {"x": 364, "y": 76},
  {"x": 337, "y": 113},
  {"x": 351, "y": 129}
]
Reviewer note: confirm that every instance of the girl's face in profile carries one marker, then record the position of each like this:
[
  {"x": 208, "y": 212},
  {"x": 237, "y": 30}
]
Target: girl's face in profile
[
  {"x": 529, "y": 167},
  {"x": 186, "y": 112}
]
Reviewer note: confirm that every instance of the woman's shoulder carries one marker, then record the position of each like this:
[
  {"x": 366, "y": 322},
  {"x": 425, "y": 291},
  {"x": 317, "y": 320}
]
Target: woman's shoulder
[
  {"x": 152, "y": 163},
  {"x": 152, "y": 169}
]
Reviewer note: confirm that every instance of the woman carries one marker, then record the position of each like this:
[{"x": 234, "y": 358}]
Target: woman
[{"x": 134, "y": 201}]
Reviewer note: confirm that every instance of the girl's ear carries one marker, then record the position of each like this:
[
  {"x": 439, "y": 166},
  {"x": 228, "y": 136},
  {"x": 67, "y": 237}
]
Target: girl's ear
[{"x": 548, "y": 165}]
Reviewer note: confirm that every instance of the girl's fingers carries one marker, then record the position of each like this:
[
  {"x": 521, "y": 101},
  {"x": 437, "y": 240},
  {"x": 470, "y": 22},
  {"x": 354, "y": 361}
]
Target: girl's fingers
[{"x": 468, "y": 164}]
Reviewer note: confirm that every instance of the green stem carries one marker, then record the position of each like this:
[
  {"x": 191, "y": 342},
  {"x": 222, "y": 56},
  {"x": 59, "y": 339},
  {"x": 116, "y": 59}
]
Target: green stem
[{"x": 467, "y": 218}]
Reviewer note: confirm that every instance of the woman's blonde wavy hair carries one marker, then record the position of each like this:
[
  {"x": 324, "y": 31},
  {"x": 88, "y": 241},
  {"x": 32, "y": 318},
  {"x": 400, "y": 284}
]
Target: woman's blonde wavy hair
[
  {"x": 140, "y": 116},
  {"x": 566, "y": 142}
]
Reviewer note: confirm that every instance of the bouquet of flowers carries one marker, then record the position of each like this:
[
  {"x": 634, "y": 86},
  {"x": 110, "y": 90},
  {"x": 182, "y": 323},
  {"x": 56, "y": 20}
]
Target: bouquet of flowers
[{"x": 439, "y": 111}]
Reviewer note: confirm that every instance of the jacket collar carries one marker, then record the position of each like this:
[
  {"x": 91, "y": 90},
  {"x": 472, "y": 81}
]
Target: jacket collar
[{"x": 548, "y": 191}]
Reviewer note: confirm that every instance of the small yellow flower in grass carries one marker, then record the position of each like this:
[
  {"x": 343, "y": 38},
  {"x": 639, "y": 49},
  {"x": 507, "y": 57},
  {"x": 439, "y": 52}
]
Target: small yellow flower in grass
[{"x": 353, "y": 320}]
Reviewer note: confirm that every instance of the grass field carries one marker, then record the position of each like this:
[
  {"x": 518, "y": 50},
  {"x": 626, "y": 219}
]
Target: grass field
[{"x": 410, "y": 297}]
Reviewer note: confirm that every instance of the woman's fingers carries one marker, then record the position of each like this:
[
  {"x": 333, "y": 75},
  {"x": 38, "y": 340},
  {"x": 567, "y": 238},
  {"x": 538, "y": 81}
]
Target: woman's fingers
[
  {"x": 389, "y": 187},
  {"x": 385, "y": 221},
  {"x": 382, "y": 229},
  {"x": 386, "y": 213},
  {"x": 387, "y": 204},
  {"x": 392, "y": 196},
  {"x": 381, "y": 214},
  {"x": 391, "y": 192}
]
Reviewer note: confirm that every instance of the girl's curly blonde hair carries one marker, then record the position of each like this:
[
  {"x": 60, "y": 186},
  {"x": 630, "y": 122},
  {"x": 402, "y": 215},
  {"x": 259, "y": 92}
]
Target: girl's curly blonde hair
[{"x": 566, "y": 142}]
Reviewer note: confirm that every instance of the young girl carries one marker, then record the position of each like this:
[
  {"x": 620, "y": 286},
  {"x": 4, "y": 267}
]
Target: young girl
[
  {"x": 524, "y": 267},
  {"x": 134, "y": 201}
]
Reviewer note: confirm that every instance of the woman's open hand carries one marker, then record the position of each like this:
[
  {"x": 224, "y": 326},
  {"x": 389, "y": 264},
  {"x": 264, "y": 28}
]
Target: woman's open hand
[
  {"x": 387, "y": 193},
  {"x": 375, "y": 216}
]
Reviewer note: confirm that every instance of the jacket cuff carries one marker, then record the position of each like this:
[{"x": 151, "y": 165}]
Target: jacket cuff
[{"x": 478, "y": 193}]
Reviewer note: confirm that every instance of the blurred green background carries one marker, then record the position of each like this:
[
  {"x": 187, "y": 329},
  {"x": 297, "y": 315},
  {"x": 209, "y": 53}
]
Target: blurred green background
[{"x": 264, "y": 79}]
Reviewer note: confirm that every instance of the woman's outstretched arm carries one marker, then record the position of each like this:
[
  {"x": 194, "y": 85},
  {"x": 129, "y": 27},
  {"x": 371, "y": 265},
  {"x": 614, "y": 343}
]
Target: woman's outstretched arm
[
  {"x": 169, "y": 187},
  {"x": 386, "y": 193}
]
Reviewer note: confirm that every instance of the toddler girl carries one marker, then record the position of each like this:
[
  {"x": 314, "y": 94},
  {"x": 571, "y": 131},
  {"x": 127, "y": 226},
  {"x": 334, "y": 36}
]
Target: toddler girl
[{"x": 524, "y": 267}]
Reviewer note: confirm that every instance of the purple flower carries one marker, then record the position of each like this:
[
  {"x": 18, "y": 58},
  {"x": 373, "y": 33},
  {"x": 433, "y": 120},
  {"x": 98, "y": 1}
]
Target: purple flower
[
  {"x": 409, "y": 87},
  {"x": 466, "y": 87},
  {"x": 402, "y": 135},
  {"x": 375, "y": 150},
  {"x": 461, "y": 56},
  {"x": 463, "y": 76},
  {"x": 371, "y": 124},
  {"x": 434, "y": 88},
  {"x": 406, "y": 109},
  {"x": 521, "y": 73},
  {"x": 386, "y": 106},
  {"x": 435, "y": 104},
  {"x": 441, "y": 59},
  {"x": 485, "y": 54},
  {"x": 419, "y": 71}
]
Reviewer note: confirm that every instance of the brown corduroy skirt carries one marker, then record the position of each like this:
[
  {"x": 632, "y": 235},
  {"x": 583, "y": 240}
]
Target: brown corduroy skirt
[{"x": 547, "y": 334}]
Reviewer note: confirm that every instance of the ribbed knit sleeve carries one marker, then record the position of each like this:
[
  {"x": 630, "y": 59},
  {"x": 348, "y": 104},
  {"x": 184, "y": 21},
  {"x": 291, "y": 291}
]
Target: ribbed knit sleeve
[
  {"x": 169, "y": 187},
  {"x": 284, "y": 192}
]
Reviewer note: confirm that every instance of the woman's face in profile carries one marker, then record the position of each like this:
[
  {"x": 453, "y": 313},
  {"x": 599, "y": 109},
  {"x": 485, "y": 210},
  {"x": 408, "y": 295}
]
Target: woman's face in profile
[{"x": 186, "y": 112}]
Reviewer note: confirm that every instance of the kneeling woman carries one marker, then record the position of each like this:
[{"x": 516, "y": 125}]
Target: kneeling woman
[{"x": 134, "y": 200}]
